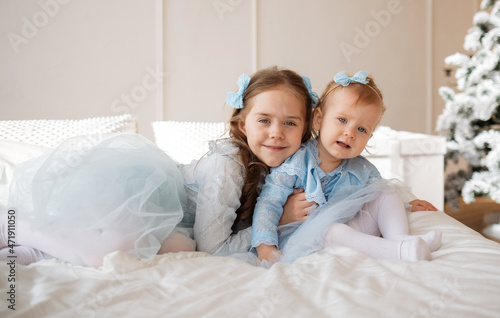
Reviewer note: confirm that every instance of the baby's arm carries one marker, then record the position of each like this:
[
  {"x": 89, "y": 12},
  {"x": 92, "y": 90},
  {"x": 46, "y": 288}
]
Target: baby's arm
[
  {"x": 268, "y": 211},
  {"x": 421, "y": 205},
  {"x": 418, "y": 205}
]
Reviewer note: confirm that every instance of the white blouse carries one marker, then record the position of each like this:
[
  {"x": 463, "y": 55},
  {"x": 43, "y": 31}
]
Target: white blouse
[{"x": 214, "y": 185}]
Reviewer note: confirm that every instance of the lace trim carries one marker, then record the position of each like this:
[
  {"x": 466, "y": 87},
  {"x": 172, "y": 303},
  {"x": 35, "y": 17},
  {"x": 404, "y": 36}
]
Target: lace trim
[
  {"x": 266, "y": 242},
  {"x": 319, "y": 199},
  {"x": 293, "y": 166}
]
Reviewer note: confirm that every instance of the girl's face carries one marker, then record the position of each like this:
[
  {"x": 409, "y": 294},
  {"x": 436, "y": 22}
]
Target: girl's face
[
  {"x": 274, "y": 125},
  {"x": 345, "y": 125}
]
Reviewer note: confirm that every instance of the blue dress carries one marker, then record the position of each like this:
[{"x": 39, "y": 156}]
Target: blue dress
[
  {"x": 122, "y": 183},
  {"x": 340, "y": 194}
]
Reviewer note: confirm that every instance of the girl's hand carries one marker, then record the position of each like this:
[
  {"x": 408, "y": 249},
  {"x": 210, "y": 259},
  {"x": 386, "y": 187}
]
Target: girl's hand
[
  {"x": 296, "y": 207},
  {"x": 421, "y": 205},
  {"x": 268, "y": 252}
]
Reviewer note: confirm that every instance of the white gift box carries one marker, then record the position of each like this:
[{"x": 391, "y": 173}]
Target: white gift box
[{"x": 413, "y": 158}]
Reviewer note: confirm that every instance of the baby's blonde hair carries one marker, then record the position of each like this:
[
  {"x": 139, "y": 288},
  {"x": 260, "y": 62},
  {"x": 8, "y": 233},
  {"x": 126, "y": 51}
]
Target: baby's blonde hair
[{"x": 367, "y": 94}]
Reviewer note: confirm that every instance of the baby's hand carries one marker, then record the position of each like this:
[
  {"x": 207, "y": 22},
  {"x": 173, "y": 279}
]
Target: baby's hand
[
  {"x": 268, "y": 252},
  {"x": 421, "y": 205}
]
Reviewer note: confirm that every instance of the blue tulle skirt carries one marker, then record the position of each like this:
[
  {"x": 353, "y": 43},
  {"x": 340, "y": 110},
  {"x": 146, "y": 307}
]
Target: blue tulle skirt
[
  {"x": 300, "y": 239},
  {"x": 121, "y": 183}
]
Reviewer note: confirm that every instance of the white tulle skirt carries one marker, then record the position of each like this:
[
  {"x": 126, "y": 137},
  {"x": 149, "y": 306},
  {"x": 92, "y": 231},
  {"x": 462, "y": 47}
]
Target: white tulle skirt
[{"x": 121, "y": 184}]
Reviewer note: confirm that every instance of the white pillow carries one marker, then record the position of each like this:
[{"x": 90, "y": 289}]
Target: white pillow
[
  {"x": 187, "y": 140},
  {"x": 13, "y": 153},
  {"x": 50, "y": 133}
]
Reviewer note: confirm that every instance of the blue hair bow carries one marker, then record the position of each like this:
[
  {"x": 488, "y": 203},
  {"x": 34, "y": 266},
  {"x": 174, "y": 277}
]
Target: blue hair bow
[
  {"x": 344, "y": 80},
  {"x": 314, "y": 96},
  {"x": 235, "y": 100}
]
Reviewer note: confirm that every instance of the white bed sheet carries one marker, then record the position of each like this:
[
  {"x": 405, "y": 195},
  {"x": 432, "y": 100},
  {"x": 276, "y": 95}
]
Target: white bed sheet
[{"x": 462, "y": 280}]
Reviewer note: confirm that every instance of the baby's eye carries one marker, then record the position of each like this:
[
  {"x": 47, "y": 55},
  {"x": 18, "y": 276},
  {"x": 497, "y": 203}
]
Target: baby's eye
[
  {"x": 361, "y": 129},
  {"x": 343, "y": 120}
]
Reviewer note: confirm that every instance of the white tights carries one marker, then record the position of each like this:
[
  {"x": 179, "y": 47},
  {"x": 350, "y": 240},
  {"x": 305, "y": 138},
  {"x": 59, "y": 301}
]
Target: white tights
[
  {"x": 384, "y": 216},
  {"x": 86, "y": 248}
]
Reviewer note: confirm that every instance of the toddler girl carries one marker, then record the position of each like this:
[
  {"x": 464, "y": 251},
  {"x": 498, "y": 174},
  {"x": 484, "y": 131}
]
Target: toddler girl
[{"x": 341, "y": 183}]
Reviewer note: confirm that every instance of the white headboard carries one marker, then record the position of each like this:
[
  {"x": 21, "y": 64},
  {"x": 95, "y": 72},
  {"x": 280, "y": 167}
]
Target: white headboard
[{"x": 186, "y": 140}]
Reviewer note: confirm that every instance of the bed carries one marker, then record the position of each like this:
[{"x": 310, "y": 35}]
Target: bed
[{"x": 462, "y": 280}]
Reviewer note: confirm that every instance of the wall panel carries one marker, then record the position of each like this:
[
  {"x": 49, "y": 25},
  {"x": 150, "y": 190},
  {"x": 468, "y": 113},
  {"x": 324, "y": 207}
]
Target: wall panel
[
  {"x": 176, "y": 59},
  {"x": 207, "y": 46}
]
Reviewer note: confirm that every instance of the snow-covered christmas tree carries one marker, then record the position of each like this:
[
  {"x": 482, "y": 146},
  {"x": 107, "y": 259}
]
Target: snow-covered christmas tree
[{"x": 471, "y": 118}]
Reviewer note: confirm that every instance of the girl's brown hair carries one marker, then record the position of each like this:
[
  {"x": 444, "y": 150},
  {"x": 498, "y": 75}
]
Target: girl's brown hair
[{"x": 261, "y": 81}]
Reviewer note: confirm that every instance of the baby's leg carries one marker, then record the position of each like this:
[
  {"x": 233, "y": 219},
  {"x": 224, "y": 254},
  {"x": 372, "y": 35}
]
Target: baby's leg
[
  {"x": 393, "y": 222},
  {"x": 389, "y": 212},
  {"x": 340, "y": 234}
]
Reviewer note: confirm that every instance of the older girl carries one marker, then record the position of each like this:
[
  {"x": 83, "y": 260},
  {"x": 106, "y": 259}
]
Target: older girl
[{"x": 271, "y": 119}]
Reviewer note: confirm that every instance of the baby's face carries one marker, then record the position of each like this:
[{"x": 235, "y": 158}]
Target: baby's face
[
  {"x": 345, "y": 125},
  {"x": 274, "y": 125}
]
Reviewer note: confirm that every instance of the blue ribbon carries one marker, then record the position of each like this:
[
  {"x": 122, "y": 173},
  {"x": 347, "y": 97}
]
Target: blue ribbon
[
  {"x": 344, "y": 80},
  {"x": 314, "y": 96},
  {"x": 235, "y": 100}
]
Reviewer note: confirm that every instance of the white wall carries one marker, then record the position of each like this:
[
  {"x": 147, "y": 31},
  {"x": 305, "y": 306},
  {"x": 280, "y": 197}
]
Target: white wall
[
  {"x": 401, "y": 42},
  {"x": 96, "y": 57},
  {"x": 80, "y": 58}
]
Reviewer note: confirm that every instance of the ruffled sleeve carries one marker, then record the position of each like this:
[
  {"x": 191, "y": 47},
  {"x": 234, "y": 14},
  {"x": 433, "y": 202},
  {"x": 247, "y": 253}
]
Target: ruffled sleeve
[{"x": 219, "y": 178}]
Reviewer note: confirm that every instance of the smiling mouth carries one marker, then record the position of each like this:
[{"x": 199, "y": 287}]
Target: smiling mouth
[
  {"x": 275, "y": 148},
  {"x": 343, "y": 145}
]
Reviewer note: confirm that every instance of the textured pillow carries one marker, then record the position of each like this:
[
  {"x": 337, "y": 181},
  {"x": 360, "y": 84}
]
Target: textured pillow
[
  {"x": 186, "y": 140},
  {"x": 50, "y": 133}
]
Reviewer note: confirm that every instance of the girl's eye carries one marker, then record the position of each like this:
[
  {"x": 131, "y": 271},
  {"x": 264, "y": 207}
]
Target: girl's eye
[
  {"x": 343, "y": 120},
  {"x": 290, "y": 123},
  {"x": 264, "y": 121}
]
